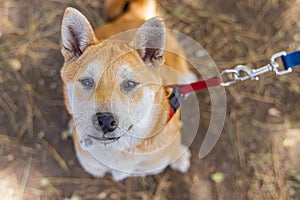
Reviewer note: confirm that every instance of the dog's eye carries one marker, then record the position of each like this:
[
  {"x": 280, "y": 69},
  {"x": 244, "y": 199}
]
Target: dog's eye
[
  {"x": 87, "y": 82},
  {"x": 128, "y": 85}
]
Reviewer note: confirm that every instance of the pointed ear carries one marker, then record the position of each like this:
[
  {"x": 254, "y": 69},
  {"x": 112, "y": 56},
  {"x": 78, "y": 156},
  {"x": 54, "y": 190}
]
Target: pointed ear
[
  {"x": 150, "y": 41},
  {"x": 77, "y": 34}
]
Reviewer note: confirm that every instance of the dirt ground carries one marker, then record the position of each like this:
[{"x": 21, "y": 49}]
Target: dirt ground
[{"x": 256, "y": 157}]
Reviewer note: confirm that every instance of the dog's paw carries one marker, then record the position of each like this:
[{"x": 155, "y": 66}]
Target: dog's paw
[
  {"x": 183, "y": 163},
  {"x": 119, "y": 176}
]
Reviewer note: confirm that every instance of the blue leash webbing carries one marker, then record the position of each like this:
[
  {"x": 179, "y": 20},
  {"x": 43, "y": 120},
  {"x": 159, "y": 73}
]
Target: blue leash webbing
[{"x": 291, "y": 60}]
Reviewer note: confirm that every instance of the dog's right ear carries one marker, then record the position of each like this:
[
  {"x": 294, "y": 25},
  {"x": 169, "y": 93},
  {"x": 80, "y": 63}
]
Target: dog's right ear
[
  {"x": 150, "y": 41},
  {"x": 77, "y": 34}
]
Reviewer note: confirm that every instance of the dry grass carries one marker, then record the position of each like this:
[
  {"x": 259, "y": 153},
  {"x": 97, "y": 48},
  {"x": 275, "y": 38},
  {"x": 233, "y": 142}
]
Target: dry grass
[{"x": 37, "y": 163}]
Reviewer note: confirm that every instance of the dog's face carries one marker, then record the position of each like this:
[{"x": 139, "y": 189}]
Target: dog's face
[{"x": 112, "y": 88}]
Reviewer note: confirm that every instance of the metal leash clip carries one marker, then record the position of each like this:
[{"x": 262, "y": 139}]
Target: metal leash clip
[
  {"x": 242, "y": 72},
  {"x": 275, "y": 65}
]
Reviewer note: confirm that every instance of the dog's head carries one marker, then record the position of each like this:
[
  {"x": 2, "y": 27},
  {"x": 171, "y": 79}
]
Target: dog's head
[{"x": 113, "y": 88}]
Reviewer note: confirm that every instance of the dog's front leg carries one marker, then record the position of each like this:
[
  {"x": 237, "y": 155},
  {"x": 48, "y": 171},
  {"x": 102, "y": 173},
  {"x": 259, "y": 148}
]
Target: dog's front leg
[
  {"x": 90, "y": 164},
  {"x": 87, "y": 161},
  {"x": 182, "y": 164}
]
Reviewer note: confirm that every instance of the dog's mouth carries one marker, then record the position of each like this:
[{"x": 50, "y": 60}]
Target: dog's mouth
[
  {"x": 104, "y": 139},
  {"x": 108, "y": 139}
]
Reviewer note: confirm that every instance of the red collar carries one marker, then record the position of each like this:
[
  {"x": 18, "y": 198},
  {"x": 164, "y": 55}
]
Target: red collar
[
  {"x": 180, "y": 90},
  {"x": 171, "y": 114}
]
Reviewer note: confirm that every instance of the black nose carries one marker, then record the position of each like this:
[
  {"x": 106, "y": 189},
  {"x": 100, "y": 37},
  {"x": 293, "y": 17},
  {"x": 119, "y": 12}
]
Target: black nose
[{"x": 106, "y": 121}]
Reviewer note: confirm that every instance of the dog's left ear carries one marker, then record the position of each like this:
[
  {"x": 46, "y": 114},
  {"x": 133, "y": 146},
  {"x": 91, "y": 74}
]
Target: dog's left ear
[
  {"x": 77, "y": 34},
  {"x": 150, "y": 41}
]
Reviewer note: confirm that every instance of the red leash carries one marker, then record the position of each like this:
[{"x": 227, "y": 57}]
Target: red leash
[
  {"x": 179, "y": 90},
  {"x": 200, "y": 85}
]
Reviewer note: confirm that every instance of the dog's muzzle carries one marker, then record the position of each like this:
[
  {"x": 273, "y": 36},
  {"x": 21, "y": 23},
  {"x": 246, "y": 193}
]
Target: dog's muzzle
[
  {"x": 106, "y": 121},
  {"x": 106, "y": 124}
]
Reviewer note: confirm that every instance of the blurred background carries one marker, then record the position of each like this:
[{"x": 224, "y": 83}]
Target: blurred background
[{"x": 256, "y": 157}]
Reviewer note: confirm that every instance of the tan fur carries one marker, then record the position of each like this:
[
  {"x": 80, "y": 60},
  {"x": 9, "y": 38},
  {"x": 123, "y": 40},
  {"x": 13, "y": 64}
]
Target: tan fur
[
  {"x": 106, "y": 59},
  {"x": 137, "y": 9}
]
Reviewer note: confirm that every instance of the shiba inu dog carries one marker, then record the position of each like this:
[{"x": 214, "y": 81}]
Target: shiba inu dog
[{"x": 115, "y": 91}]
